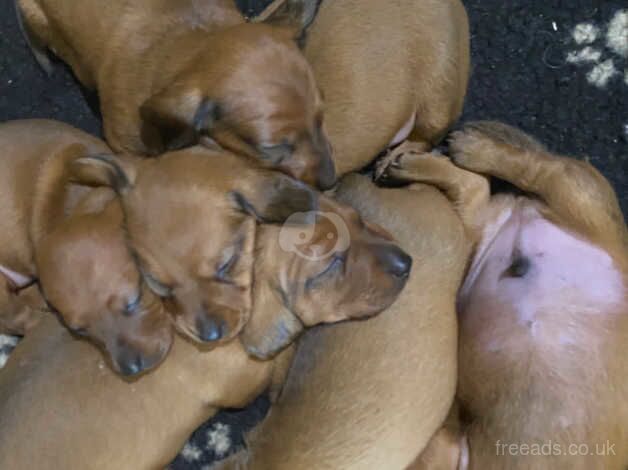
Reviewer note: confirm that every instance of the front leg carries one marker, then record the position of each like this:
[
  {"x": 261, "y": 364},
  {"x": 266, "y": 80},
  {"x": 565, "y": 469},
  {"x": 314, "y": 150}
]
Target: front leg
[
  {"x": 410, "y": 163},
  {"x": 575, "y": 192}
]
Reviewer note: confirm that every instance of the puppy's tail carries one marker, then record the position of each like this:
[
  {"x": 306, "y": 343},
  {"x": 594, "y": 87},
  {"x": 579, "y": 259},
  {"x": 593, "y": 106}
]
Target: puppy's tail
[{"x": 36, "y": 47}]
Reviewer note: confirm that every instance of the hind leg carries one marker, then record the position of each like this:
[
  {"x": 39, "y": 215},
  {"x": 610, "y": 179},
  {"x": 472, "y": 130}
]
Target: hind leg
[
  {"x": 575, "y": 191},
  {"x": 409, "y": 163}
]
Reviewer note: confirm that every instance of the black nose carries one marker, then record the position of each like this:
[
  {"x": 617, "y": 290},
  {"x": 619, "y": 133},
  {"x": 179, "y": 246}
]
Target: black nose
[
  {"x": 210, "y": 327},
  {"x": 130, "y": 362},
  {"x": 395, "y": 261}
]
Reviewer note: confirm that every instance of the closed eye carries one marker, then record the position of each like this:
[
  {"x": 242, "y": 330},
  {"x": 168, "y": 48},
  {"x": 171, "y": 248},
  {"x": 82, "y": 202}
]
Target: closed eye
[
  {"x": 133, "y": 305},
  {"x": 79, "y": 331},
  {"x": 223, "y": 270},
  {"x": 336, "y": 264},
  {"x": 160, "y": 289},
  {"x": 275, "y": 154}
]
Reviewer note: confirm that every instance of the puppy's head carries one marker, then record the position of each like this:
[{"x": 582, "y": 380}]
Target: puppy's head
[
  {"x": 320, "y": 268},
  {"x": 90, "y": 279},
  {"x": 254, "y": 93},
  {"x": 191, "y": 220}
]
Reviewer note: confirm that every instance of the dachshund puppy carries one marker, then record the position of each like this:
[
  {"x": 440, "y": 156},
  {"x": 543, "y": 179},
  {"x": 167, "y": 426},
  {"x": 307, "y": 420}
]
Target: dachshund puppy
[
  {"x": 369, "y": 395},
  {"x": 389, "y": 71},
  {"x": 190, "y": 220},
  {"x": 174, "y": 224},
  {"x": 543, "y": 309},
  {"x": 55, "y": 382},
  {"x": 168, "y": 72},
  {"x": 70, "y": 239},
  {"x": 338, "y": 267}
]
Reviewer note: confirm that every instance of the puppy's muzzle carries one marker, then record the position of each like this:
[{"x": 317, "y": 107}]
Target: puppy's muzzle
[
  {"x": 394, "y": 261},
  {"x": 130, "y": 361},
  {"x": 210, "y": 328}
]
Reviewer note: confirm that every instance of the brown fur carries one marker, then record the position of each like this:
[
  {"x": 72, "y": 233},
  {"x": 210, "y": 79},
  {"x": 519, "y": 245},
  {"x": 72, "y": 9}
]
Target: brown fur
[
  {"x": 168, "y": 72},
  {"x": 70, "y": 238},
  {"x": 358, "y": 395},
  {"x": 55, "y": 383},
  {"x": 379, "y": 64},
  {"x": 188, "y": 218},
  {"x": 563, "y": 384}
]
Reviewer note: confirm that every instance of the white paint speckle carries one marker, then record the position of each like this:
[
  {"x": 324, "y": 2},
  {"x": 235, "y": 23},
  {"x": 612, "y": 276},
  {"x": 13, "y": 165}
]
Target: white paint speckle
[
  {"x": 218, "y": 439},
  {"x": 588, "y": 54},
  {"x": 554, "y": 26},
  {"x": 8, "y": 341},
  {"x": 191, "y": 453},
  {"x": 617, "y": 34},
  {"x": 585, "y": 33},
  {"x": 602, "y": 73},
  {"x": 3, "y": 359}
]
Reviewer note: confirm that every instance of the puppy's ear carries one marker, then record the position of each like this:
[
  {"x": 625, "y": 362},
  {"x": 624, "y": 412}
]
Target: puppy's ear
[
  {"x": 174, "y": 119},
  {"x": 275, "y": 197},
  {"x": 296, "y": 15},
  {"x": 116, "y": 172},
  {"x": 272, "y": 326}
]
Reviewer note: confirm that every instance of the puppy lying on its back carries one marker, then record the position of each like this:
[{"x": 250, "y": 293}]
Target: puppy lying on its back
[
  {"x": 54, "y": 383},
  {"x": 170, "y": 71},
  {"x": 544, "y": 306}
]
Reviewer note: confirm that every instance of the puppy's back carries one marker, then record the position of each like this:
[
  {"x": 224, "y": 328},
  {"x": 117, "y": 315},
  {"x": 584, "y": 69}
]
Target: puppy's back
[
  {"x": 378, "y": 63},
  {"x": 364, "y": 395}
]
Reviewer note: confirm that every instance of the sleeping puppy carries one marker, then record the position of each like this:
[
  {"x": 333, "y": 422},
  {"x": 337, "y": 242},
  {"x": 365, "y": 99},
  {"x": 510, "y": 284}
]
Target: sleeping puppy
[
  {"x": 543, "y": 309},
  {"x": 169, "y": 72},
  {"x": 53, "y": 382},
  {"x": 70, "y": 239},
  {"x": 190, "y": 220},
  {"x": 369, "y": 395},
  {"x": 174, "y": 226},
  {"x": 389, "y": 71},
  {"x": 339, "y": 267}
]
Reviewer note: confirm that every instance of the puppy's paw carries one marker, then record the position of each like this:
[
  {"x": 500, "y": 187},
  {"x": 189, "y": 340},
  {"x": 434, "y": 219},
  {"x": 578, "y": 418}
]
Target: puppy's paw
[
  {"x": 480, "y": 145},
  {"x": 386, "y": 167}
]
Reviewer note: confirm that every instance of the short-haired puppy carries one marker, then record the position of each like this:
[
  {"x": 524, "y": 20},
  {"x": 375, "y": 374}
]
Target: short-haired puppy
[
  {"x": 389, "y": 71},
  {"x": 70, "y": 239},
  {"x": 543, "y": 310},
  {"x": 54, "y": 382},
  {"x": 186, "y": 217},
  {"x": 168, "y": 72}
]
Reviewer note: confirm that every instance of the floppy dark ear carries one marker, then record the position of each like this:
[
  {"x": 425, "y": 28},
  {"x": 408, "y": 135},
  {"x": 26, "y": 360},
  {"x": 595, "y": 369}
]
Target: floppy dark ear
[
  {"x": 294, "y": 14},
  {"x": 117, "y": 172},
  {"x": 174, "y": 119},
  {"x": 272, "y": 327},
  {"x": 275, "y": 197}
]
